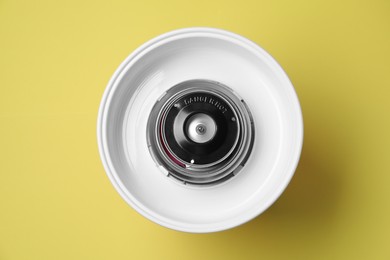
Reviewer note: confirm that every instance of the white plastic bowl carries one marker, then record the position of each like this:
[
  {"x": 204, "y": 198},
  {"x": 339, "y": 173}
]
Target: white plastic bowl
[{"x": 199, "y": 53}]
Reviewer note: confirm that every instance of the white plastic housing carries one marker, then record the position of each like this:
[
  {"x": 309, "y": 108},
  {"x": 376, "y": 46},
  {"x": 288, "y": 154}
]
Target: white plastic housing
[{"x": 199, "y": 53}]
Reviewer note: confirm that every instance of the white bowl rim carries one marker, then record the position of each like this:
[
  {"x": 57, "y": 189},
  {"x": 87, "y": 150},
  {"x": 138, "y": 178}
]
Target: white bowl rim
[{"x": 102, "y": 113}]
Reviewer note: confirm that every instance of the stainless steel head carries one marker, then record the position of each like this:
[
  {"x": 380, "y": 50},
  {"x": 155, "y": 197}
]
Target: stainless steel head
[
  {"x": 201, "y": 128},
  {"x": 200, "y": 132}
]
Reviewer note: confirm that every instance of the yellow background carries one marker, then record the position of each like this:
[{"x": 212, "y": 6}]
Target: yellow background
[{"x": 56, "y": 58}]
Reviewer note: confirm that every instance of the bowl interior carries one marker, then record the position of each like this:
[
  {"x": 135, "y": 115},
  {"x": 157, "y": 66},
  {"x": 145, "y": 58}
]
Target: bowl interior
[{"x": 238, "y": 64}]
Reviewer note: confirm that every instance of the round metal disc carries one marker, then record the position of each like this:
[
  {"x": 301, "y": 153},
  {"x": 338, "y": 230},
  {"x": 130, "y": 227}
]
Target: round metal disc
[{"x": 201, "y": 128}]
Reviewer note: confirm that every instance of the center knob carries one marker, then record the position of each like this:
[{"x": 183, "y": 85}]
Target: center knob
[{"x": 201, "y": 128}]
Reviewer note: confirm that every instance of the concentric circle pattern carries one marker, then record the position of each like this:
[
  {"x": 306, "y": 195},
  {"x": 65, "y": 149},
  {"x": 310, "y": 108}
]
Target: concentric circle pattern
[{"x": 200, "y": 132}]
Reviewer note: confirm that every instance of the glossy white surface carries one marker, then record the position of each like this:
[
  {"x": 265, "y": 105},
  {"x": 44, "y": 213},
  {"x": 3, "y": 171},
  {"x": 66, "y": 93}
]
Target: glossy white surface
[{"x": 200, "y": 53}]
